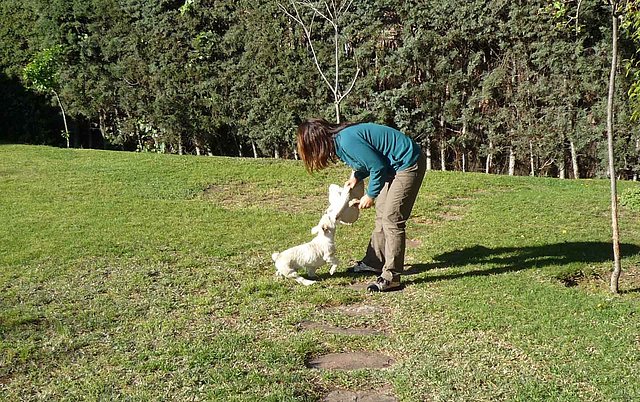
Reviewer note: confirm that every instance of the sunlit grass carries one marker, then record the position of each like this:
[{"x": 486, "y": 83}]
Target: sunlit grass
[{"x": 148, "y": 277}]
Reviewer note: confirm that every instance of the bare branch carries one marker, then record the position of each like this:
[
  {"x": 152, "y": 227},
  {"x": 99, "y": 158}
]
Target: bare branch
[
  {"x": 131, "y": 84},
  {"x": 313, "y": 20},
  {"x": 315, "y": 10},
  {"x": 578, "y": 15},
  {"x": 307, "y": 33},
  {"x": 330, "y": 11},
  {"x": 326, "y": 5},
  {"x": 353, "y": 83},
  {"x": 337, "y": 58},
  {"x": 296, "y": 18},
  {"x": 338, "y": 9},
  {"x": 345, "y": 9}
]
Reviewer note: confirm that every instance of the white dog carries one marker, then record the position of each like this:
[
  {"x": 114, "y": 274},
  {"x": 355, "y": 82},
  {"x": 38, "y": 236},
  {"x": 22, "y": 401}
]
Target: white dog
[
  {"x": 343, "y": 202},
  {"x": 311, "y": 255}
]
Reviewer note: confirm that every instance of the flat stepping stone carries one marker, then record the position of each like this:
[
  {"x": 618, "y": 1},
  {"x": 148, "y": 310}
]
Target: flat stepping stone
[
  {"x": 351, "y": 361},
  {"x": 309, "y": 325},
  {"x": 359, "y": 396},
  {"x": 361, "y": 310}
]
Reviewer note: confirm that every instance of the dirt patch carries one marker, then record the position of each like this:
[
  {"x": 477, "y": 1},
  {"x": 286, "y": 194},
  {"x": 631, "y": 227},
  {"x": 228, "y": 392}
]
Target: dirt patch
[
  {"x": 331, "y": 329},
  {"x": 453, "y": 213},
  {"x": 360, "y": 396},
  {"x": 573, "y": 280},
  {"x": 242, "y": 195},
  {"x": 629, "y": 280},
  {"x": 421, "y": 220},
  {"x": 5, "y": 379},
  {"x": 414, "y": 243},
  {"x": 351, "y": 361},
  {"x": 361, "y": 310},
  {"x": 450, "y": 216}
]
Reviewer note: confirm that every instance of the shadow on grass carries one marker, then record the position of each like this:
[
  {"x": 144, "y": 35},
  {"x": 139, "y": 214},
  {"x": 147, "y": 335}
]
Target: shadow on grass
[{"x": 513, "y": 259}]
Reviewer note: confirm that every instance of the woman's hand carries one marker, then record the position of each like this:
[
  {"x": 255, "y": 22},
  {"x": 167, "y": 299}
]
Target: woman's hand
[
  {"x": 365, "y": 202},
  {"x": 351, "y": 183}
]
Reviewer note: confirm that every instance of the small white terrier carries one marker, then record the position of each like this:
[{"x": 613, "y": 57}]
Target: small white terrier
[
  {"x": 311, "y": 255},
  {"x": 343, "y": 202}
]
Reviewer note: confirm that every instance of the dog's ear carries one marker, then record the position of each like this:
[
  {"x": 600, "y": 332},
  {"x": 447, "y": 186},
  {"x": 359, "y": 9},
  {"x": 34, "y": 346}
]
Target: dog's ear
[{"x": 328, "y": 223}]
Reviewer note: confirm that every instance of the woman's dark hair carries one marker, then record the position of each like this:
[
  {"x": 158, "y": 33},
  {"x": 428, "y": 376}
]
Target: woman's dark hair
[{"x": 316, "y": 144}]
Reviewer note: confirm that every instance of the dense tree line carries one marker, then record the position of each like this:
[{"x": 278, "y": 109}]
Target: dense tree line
[{"x": 502, "y": 86}]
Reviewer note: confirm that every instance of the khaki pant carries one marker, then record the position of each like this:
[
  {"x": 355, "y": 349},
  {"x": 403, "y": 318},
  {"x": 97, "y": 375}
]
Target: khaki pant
[{"x": 393, "y": 206}]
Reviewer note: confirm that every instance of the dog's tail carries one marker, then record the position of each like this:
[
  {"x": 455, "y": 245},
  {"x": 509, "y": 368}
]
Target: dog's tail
[{"x": 274, "y": 256}]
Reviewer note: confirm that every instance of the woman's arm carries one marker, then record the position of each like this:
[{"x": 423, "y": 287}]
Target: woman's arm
[{"x": 369, "y": 159}]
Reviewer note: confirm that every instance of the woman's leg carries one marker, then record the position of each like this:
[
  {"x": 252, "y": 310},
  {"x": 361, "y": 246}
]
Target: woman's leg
[
  {"x": 395, "y": 211},
  {"x": 374, "y": 256}
]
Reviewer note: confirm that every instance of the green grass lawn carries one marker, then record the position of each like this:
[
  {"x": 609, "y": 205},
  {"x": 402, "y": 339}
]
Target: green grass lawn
[{"x": 149, "y": 277}]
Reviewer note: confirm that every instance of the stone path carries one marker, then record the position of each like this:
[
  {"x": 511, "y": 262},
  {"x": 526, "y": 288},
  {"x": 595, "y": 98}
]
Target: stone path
[
  {"x": 361, "y": 310},
  {"x": 352, "y": 360},
  {"x": 360, "y": 396}
]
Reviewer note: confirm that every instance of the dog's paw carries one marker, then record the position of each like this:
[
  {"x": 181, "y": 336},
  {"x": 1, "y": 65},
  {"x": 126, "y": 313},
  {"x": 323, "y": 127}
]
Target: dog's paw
[
  {"x": 333, "y": 269},
  {"x": 305, "y": 282}
]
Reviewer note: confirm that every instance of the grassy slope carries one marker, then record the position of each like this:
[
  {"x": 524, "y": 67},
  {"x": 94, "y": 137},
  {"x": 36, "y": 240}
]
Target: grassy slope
[{"x": 121, "y": 276}]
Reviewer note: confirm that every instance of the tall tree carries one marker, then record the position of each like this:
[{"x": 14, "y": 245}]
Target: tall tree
[
  {"x": 42, "y": 74},
  {"x": 615, "y": 18}
]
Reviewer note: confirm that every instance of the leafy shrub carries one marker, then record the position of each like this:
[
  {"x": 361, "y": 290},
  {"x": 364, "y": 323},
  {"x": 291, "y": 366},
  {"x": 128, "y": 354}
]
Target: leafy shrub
[{"x": 631, "y": 198}]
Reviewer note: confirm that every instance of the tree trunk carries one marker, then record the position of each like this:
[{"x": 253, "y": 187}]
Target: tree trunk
[
  {"x": 64, "y": 118},
  {"x": 428, "y": 155},
  {"x": 238, "y": 145},
  {"x": 574, "y": 160},
  {"x": 336, "y": 43},
  {"x": 635, "y": 174},
  {"x": 512, "y": 161},
  {"x": 464, "y": 161},
  {"x": 443, "y": 165},
  {"x": 138, "y": 138},
  {"x": 615, "y": 275},
  {"x": 464, "y": 135},
  {"x": 255, "y": 150},
  {"x": 562, "y": 173},
  {"x": 532, "y": 172},
  {"x": 103, "y": 127},
  {"x": 487, "y": 168}
]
